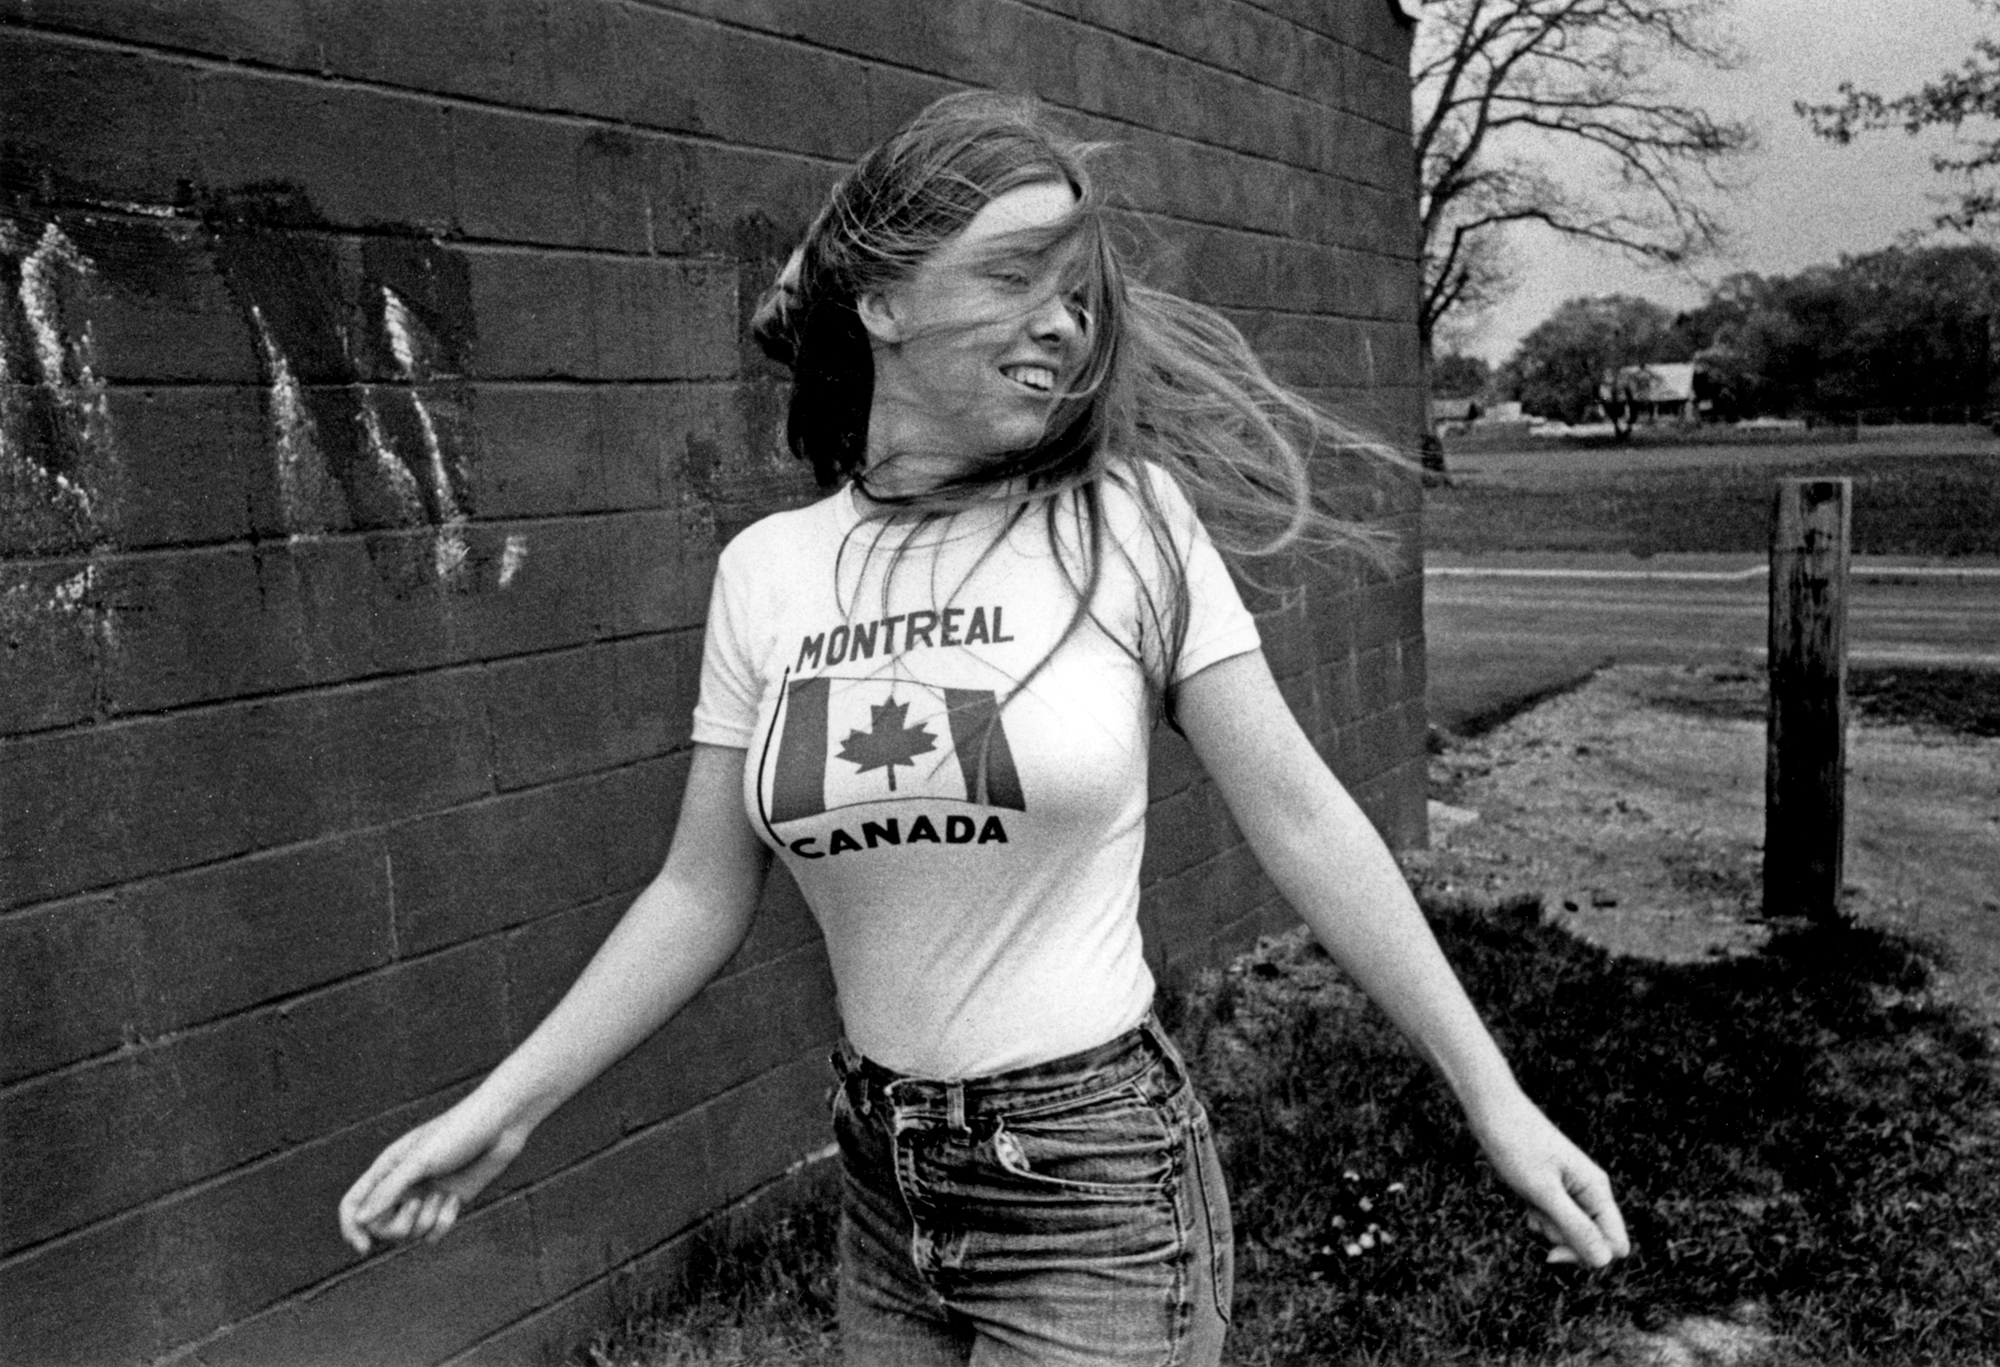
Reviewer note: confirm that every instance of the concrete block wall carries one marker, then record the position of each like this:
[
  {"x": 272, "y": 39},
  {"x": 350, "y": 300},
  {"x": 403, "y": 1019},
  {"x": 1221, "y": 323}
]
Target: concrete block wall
[{"x": 373, "y": 402}]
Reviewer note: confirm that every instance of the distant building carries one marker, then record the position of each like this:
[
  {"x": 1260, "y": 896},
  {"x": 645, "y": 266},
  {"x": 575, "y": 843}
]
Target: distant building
[
  {"x": 1662, "y": 391},
  {"x": 1454, "y": 410}
]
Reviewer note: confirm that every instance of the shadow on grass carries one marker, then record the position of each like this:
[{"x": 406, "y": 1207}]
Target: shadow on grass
[{"x": 1802, "y": 1136}]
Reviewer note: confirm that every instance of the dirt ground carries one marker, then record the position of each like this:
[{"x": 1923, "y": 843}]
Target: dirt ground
[{"x": 1633, "y": 807}]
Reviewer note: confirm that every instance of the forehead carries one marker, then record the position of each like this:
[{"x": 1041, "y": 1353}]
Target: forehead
[{"x": 1025, "y": 209}]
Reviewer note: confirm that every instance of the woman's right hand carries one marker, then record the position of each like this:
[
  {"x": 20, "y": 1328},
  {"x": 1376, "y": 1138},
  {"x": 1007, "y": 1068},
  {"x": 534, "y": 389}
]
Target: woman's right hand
[
  {"x": 672, "y": 940},
  {"x": 419, "y": 1184}
]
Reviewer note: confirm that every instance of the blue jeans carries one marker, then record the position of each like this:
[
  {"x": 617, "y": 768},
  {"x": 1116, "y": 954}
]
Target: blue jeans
[{"x": 1070, "y": 1212}]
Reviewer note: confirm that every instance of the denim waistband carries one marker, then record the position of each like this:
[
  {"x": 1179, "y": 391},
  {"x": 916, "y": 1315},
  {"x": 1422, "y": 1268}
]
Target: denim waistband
[{"x": 1085, "y": 1073}]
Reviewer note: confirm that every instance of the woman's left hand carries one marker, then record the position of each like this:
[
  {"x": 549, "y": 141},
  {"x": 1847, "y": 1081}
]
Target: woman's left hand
[{"x": 1569, "y": 1197}]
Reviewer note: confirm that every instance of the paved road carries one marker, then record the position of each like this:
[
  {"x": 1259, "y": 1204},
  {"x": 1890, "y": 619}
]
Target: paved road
[{"x": 1507, "y": 627}]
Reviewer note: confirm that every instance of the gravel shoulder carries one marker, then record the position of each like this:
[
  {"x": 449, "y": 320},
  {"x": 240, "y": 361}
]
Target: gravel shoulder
[{"x": 1632, "y": 807}]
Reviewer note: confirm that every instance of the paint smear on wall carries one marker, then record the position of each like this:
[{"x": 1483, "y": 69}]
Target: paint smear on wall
[
  {"x": 512, "y": 557},
  {"x": 55, "y": 416},
  {"x": 308, "y": 499},
  {"x": 411, "y": 346}
]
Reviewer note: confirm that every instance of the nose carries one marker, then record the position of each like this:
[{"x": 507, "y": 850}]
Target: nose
[{"x": 1056, "y": 322}]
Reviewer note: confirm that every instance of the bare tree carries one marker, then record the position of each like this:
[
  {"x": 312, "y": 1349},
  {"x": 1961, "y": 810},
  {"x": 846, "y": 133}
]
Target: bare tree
[
  {"x": 1969, "y": 95},
  {"x": 1503, "y": 88}
]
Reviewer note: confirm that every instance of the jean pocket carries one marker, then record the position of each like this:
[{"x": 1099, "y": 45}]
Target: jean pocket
[
  {"x": 1114, "y": 1145},
  {"x": 1208, "y": 1182}
]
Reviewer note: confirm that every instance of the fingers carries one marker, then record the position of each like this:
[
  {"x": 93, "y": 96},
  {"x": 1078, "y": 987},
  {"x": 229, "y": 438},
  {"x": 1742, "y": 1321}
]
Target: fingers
[
  {"x": 447, "y": 1216},
  {"x": 1580, "y": 1218},
  {"x": 1593, "y": 1194}
]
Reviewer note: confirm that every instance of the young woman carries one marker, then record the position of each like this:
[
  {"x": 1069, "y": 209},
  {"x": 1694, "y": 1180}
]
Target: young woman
[{"x": 930, "y": 696}]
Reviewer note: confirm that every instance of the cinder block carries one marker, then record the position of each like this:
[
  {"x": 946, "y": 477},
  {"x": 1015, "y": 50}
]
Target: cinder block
[
  {"x": 360, "y": 158},
  {"x": 84, "y": 976},
  {"x": 1288, "y": 640},
  {"x": 551, "y": 449},
  {"x": 623, "y": 1202},
  {"x": 556, "y": 316},
  {"x": 740, "y": 1027},
  {"x": 103, "y": 805},
  {"x": 660, "y": 1181},
  {"x": 233, "y": 621},
  {"x": 197, "y": 626},
  {"x": 664, "y": 319},
  {"x": 119, "y": 124},
  {"x": 656, "y": 68},
  {"x": 769, "y": 1124},
  {"x": 783, "y": 922},
  {"x": 745, "y": 202},
  {"x": 570, "y": 712},
  {"x": 906, "y": 32},
  {"x": 84, "y": 1301},
  {"x": 418, "y": 1304},
  {"x": 409, "y": 746},
  {"x": 542, "y": 451},
  {"x": 166, "y": 1274},
  {"x": 1214, "y": 893},
  {"x": 1183, "y": 830},
  {"x": 658, "y": 569},
  {"x": 470, "y": 871},
  {"x": 540, "y": 179},
  {"x": 189, "y": 458},
  {"x": 53, "y": 624},
  {"x": 545, "y": 955},
  {"x": 363, "y": 1047},
  {"x": 88, "y": 1142},
  {"x": 66, "y": 985},
  {"x": 112, "y": 803},
  {"x": 491, "y": 50}
]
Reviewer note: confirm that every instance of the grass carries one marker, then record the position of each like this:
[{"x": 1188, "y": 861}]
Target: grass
[
  {"x": 765, "y": 1300},
  {"x": 1966, "y": 701},
  {"x": 1804, "y": 1141},
  {"x": 1944, "y": 502}
]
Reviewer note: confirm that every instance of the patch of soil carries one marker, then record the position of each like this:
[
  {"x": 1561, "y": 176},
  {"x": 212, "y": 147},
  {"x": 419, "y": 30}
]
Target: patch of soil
[{"x": 1632, "y": 808}]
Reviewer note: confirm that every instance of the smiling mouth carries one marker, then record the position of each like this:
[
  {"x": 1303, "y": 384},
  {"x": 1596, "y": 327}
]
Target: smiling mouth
[{"x": 1037, "y": 379}]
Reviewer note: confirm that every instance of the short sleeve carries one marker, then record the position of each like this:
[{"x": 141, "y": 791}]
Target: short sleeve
[
  {"x": 1218, "y": 625},
  {"x": 726, "y": 711}
]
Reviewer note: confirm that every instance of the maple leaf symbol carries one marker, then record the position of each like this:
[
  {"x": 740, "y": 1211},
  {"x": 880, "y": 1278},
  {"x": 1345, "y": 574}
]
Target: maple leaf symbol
[{"x": 887, "y": 743}]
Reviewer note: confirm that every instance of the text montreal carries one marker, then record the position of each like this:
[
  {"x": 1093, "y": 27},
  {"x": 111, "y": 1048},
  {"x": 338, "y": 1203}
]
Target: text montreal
[{"x": 861, "y": 640}]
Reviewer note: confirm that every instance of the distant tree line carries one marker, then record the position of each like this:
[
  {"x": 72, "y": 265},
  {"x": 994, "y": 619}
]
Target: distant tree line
[{"x": 1898, "y": 330}]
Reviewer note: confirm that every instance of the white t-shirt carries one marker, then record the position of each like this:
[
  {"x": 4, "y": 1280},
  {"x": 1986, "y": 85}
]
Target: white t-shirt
[{"x": 971, "y": 854}]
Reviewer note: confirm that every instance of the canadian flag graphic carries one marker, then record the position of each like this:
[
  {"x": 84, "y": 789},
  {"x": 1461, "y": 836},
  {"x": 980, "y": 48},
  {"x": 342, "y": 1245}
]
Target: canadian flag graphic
[{"x": 844, "y": 741}]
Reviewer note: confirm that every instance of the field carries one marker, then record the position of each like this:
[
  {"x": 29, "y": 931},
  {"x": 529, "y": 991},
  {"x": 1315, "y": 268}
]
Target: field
[{"x": 1928, "y": 492}]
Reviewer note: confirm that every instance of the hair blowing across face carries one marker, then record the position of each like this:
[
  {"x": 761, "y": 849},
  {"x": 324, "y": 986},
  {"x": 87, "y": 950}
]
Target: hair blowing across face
[
  {"x": 895, "y": 207},
  {"x": 1165, "y": 381}
]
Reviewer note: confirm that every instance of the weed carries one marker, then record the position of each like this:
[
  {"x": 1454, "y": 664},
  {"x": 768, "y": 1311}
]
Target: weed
[
  {"x": 765, "y": 1299},
  {"x": 1803, "y": 1132}
]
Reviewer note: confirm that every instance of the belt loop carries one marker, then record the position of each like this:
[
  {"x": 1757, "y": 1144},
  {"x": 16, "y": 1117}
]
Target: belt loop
[
  {"x": 954, "y": 1104},
  {"x": 852, "y": 1080},
  {"x": 1155, "y": 1036}
]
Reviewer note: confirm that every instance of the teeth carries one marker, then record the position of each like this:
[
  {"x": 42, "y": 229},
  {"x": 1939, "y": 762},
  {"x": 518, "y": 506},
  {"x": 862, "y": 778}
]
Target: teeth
[{"x": 1035, "y": 377}]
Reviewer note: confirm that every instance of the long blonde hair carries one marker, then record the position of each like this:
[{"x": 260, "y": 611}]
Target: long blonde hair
[{"x": 1165, "y": 381}]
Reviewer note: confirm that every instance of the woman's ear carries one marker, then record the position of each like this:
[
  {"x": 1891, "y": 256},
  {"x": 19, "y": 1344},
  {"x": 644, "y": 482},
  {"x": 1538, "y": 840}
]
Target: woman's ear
[{"x": 881, "y": 315}]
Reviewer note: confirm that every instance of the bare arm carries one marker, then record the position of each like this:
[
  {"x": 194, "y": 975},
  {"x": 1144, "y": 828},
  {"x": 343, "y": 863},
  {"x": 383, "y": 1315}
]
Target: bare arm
[
  {"x": 672, "y": 940},
  {"x": 1321, "y": 851}
]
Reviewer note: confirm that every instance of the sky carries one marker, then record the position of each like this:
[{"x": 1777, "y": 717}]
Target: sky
[{"x": 1802, "y": 200}]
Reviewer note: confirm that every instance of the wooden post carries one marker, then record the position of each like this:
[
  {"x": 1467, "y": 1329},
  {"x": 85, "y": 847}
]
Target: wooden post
[{"x": 1805, "y": 781}]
